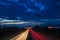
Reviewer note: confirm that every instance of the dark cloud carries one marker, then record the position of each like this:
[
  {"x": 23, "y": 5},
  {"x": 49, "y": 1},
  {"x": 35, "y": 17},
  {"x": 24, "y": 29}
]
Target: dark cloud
[{"x": 46, "y": 11}]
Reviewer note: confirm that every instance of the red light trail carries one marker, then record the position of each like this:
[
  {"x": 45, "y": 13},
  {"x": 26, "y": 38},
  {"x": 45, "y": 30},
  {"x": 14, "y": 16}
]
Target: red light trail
[{"x": 38, "y": 36}]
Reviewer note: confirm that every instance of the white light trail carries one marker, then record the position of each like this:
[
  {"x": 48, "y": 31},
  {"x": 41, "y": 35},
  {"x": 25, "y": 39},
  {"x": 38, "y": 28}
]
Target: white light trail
[{"x": 22, "y": 36}]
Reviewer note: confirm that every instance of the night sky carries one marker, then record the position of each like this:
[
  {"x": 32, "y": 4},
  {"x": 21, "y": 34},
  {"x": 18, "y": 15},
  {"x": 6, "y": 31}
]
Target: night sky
[{"x": 45, "y": 11}]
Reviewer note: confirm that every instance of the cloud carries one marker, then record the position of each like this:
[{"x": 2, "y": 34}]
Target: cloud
[
  {"x": 6, "y": 20},
  {"x": 15, "y": 23},
  {"x": 58, "y": 3},
  {"x": 19, "y": 22},
  {"x": 18, "y": 17},
  {"x": 49, "y": 20},
  {"x": 44, "y": 22}
]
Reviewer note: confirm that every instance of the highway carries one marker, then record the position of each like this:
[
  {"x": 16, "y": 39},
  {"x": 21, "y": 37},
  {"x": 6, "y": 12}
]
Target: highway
[{"x": 33, "y": 36}]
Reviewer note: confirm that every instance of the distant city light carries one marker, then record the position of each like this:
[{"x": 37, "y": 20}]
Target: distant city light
[{"x": 50, "y": 27}]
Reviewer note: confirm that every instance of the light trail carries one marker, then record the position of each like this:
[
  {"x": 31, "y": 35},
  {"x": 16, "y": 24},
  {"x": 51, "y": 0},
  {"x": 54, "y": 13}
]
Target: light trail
[
  {"x": 38, "y": 36},
  {"x": 46, "y": 38},
  {"x": 22, "y": 36}
]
